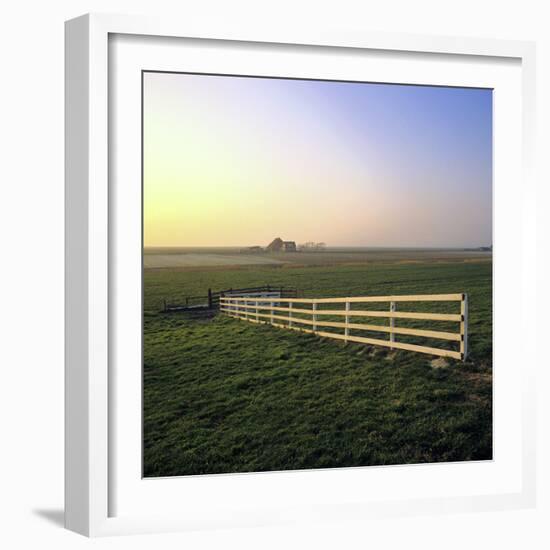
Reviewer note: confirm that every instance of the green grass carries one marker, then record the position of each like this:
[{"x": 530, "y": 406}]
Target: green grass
[{"x": 222, "y": 395}]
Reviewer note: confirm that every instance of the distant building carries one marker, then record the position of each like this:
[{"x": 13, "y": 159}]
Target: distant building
[
  {"x": 278, "y": 245},
  {"x": 275, "y": 245}
]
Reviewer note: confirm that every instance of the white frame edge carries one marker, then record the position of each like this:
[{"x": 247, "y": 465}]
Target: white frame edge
[
  {"x": 87, "y": 246},
  {"x": 86, "y": 283}
]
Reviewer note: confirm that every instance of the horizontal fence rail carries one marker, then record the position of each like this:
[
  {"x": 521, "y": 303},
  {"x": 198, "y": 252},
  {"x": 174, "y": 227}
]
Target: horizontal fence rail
[{"x": 281, "y": 312}]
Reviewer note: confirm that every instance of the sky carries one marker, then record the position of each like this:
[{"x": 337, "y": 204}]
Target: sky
[{"x": 237, "y": 161}]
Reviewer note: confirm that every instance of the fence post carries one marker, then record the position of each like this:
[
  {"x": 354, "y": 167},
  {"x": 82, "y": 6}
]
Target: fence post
[
  {"x": 393, "y": 308},
  {"x": 314, "y": 307},
  {"x": 346, "y": 329},
  {"x": 464, "y": 327},
  {"x": 289, "y": 314},
  {"x": 209, "y": 298},
  {"x": 271, "y": 313},
  {"x": 257, "y": 318}
]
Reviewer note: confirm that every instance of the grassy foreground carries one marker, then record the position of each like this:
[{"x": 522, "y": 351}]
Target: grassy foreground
[{"x": 222, "y": 395}]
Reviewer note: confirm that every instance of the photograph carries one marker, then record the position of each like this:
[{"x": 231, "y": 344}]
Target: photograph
[{"x": 317, "y": 271}]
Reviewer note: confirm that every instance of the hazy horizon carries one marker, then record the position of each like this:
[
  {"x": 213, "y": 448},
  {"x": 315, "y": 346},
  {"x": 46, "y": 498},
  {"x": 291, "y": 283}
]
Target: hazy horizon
[
  {"x": 226, "y": 158},
  {"x": 328, "y": 247}
]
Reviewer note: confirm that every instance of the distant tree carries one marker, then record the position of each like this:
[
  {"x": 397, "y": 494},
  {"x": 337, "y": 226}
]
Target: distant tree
[{"x": 310, "y": 246}]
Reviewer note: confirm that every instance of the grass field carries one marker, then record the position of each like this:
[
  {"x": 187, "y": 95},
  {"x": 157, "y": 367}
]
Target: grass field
[{"x": 222, "y": 395}]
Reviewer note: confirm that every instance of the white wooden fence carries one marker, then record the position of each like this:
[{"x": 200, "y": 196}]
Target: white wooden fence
[{"x": 281, "y": 312}]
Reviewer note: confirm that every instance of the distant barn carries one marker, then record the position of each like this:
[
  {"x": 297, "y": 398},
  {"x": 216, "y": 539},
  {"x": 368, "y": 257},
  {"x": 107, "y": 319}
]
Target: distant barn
[{"x": 278, "y": 245}]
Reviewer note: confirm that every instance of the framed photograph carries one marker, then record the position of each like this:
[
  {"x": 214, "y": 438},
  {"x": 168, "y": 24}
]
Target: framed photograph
[{"x": 298, "y": 276}]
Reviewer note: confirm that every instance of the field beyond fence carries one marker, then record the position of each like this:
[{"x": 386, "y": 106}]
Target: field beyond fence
[{"x": 222, "y": 395}]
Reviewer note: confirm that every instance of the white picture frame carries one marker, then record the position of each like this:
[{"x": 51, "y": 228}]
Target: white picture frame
[{"x": 91, "y": 218}]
